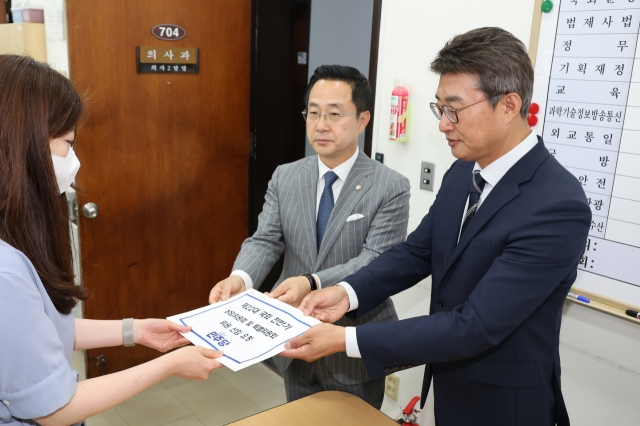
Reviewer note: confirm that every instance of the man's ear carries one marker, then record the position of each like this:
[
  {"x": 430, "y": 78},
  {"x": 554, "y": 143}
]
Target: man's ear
[
  {"x": 365, "y": 116},
  {"x": 512, "y": 102}
]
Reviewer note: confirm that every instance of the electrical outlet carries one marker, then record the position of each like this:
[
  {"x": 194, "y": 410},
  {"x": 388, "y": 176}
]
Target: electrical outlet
[
  {"x": 380, "y": 157},
  {"x": 427, "y": 174},
  {"x": 391, "y": 386}
]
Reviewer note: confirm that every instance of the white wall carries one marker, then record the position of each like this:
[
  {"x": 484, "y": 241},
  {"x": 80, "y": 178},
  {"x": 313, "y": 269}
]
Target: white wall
[
  {"x": 600, "y": 354},
  {"x": 56, "y": 32},
  {"x": 340, "y": 34}
]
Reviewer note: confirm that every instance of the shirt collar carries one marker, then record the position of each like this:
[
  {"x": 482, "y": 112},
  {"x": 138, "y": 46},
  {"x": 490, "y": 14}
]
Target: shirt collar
[
  {"x": 342, "y": 170},
  {"x": 496, "y": 170}
]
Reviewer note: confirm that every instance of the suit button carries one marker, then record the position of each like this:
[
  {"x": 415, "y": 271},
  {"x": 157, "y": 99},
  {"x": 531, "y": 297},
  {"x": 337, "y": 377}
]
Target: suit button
[
  {"x": 388, "y": 370},
  {"x": 410, "y": 366},
  {"x": 440, "y": 303}
]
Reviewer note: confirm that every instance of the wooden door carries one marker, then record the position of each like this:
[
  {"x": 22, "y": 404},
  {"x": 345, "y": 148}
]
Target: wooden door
[{"x": 164, "y": 157}]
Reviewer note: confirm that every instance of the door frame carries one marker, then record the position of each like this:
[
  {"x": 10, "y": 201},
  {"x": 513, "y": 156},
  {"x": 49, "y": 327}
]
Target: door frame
[{"x": 373, "y": 71}]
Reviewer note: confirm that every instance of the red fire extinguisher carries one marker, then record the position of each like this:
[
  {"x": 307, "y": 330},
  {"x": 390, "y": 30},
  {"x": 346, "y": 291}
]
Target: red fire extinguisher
[
  {"x": 399, "y": 108},
  {"x": 409, "y": 414}
]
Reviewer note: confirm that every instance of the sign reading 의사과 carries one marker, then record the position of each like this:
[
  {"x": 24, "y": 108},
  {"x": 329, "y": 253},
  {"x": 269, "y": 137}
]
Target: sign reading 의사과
[{"x": 176, "y": 60}]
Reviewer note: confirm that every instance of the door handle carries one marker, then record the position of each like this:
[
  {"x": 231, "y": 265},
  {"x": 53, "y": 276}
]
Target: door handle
[{"x": 90, "y": 210}]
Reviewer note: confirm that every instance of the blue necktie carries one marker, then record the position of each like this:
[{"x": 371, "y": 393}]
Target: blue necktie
[
  {"x": 326, "y": 205},
  {"x": 475, "y": 189}
]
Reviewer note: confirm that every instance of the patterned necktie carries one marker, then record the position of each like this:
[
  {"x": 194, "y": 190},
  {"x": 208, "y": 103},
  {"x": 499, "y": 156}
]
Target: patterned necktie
[
  {"x": 475, "y": 189},
  {"x": 326, "y": 205}
]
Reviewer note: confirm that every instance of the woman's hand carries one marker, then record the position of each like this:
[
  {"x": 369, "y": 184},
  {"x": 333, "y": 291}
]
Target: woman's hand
[
  {"x": 194, "y": 362},
  {"x": 159, "y": 334},
  {"x": 99, "y": 394}
]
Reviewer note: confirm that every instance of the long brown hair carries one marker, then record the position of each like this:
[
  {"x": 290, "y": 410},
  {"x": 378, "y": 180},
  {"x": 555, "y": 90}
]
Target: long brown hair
[{"x": 37, "y": 104}]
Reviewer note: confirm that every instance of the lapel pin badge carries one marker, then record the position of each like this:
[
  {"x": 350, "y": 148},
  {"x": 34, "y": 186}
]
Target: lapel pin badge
[{"x": 358, "y": 187}]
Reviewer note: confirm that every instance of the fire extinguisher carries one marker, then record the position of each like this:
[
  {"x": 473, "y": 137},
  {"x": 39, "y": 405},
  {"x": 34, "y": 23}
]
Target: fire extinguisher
[
  {"x": 399, "y": 108},
  {"x": 409, "y": 414}
]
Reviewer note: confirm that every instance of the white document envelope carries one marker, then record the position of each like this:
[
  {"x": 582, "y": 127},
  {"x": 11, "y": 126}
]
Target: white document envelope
[
  {"x": 355, "y": 217},
  {"x": 249, "y": 327}
]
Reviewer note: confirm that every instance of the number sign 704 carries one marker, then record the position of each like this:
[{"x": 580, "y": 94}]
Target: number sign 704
[{"x": 170, "y": 32}]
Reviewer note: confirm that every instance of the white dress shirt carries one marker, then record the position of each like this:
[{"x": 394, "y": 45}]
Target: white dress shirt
[
  {"x": 342, "y": 171},
  {"x": 491, "y": 175}
]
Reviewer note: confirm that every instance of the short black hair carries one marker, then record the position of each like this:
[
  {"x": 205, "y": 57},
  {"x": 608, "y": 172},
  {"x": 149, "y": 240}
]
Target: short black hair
[
  {"x": 361, "y": 92},
  {"x": 497, "y": 57}
]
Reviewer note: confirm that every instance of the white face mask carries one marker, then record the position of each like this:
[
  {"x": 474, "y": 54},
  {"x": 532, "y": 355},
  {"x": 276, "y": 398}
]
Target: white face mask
[{"x": 66, "y": 169}]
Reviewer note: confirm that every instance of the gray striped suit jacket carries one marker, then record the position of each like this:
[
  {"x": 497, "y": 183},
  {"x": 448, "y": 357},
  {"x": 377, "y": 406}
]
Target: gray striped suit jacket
[{"x": 287, "y": 224}]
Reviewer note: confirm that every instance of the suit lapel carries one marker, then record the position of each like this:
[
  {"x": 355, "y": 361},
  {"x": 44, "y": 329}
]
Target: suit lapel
[
  {"x": 455, "y": 202},
  {"x": 308, "y": 187},
  {"x": 506, "y": 190},
  {"x": 354, "y": 188}
]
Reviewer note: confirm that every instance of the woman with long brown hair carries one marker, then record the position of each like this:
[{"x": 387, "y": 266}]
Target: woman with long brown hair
[{"x": 39, "y": 111}]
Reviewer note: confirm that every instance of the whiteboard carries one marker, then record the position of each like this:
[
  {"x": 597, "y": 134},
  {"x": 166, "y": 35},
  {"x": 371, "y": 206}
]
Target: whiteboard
[{"x": 587, "y": 83}]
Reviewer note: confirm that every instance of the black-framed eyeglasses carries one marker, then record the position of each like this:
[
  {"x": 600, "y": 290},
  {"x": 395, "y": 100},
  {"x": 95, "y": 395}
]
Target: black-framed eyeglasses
[
  {"x": 334, "y": 117},
  {"x": 452, "y": 113}
]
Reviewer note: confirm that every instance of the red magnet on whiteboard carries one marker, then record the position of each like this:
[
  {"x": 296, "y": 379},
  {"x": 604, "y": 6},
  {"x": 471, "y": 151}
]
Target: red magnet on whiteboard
[{"x": 534, "y": 108}]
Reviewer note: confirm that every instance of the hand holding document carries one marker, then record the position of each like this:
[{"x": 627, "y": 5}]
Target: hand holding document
[{"x": 249, "y": 327}]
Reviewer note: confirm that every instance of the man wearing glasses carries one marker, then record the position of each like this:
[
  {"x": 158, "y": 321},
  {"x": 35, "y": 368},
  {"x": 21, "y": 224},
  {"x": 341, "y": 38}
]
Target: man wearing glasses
[
  {"x": 501, "y": 242},
  {"x": 330, "y": 215}
]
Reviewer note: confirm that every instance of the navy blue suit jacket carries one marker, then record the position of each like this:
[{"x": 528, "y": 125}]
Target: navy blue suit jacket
[{"x": 491, "y": 339}]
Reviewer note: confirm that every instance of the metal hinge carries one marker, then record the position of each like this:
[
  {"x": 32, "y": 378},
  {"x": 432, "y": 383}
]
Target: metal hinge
[
  {"x": 101, "y": 361},
  {"x": 252, "y": 144}
]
